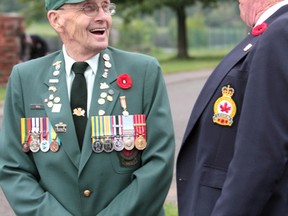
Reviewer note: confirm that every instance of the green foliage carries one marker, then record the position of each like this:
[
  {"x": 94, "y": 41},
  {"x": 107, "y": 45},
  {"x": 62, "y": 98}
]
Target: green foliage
[
  {"x": 33, "y": 10},
  {"x": 136, "y": 35},
  {"x": 170, "y": 209},
  {"x": 2, "y": 93}
]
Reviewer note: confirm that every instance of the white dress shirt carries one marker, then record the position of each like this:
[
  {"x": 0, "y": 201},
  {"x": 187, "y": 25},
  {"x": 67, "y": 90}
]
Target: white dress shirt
[{"x": 89, "y": 74}]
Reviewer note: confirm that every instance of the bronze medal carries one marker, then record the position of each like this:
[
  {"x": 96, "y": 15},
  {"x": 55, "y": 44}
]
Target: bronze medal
[
  {"x": 25, "y": 147},
  {"x": 54, "y": 146},
  {"x": 140, "y": 143}
]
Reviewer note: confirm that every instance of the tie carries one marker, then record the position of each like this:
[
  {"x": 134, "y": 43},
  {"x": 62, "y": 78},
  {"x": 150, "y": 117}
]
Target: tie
[{"x": 79, "y": 100}]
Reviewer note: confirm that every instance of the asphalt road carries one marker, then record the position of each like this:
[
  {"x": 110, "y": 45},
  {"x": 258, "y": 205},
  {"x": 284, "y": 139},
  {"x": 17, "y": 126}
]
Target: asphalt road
[{"x": 183, "y": 90}]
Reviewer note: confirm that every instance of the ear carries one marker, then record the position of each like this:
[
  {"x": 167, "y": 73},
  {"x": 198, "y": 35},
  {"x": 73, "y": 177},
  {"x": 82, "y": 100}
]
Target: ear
[{"x": 55, "y": 20}]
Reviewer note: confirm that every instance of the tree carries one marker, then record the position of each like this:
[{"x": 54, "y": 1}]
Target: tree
[{"x": 179, "y": 7}]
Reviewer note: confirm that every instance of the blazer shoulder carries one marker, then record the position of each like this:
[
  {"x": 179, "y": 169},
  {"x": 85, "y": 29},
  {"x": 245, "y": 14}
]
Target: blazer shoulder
[
  {"x": 131, "y": 56},
  {"x": 41, "y": 61}
]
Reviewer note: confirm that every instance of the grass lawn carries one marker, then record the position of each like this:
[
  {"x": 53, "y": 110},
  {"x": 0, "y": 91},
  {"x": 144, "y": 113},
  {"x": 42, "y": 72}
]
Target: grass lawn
[
  {"x": 2, "y": 93},
  {"x": 171, "y": 209}
]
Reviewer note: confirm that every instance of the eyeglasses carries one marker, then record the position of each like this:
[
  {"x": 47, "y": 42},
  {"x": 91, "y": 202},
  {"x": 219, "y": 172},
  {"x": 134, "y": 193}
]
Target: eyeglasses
[{"x": 92, "y": 9}]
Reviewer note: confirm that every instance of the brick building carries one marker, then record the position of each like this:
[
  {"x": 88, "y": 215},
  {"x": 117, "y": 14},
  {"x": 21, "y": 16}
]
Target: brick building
[{"x": 11, "y": 26}]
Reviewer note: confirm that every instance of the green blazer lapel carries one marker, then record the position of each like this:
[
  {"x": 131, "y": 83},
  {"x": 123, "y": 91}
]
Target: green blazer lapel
[
  {"x": 60, "y": 112},
  {"x": 101, "y": 85}
]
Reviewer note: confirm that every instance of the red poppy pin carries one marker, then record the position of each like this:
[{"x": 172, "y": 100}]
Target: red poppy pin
[
  {"x": 124, "y": 81},
  {"x": 259, "y": 29}
]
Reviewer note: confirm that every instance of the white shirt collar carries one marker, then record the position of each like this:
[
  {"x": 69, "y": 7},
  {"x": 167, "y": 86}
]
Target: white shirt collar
[
  {"x": 93, "y": 62},
  {"x": 271, "y": 11}
]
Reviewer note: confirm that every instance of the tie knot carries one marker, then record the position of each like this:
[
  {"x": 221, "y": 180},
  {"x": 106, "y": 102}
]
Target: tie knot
[{"x": 79, "y": 67}]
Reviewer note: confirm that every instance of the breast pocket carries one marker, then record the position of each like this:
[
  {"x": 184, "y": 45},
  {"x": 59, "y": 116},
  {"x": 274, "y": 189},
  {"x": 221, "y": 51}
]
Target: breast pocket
[{"x": 125, "y": 161}]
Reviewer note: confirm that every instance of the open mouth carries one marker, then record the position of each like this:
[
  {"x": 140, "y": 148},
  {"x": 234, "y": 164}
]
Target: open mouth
[{"x": 98, "y": 31}]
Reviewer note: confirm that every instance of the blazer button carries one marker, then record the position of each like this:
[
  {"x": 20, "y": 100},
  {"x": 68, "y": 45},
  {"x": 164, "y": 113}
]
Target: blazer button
[{"x": 87, "y": 193}]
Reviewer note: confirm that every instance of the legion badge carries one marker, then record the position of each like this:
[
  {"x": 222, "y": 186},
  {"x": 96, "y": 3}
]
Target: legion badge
[{"x": 225, "y": 107}]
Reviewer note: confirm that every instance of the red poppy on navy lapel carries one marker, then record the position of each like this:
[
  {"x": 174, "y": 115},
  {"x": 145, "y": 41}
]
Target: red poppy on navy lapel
[
  {"x": 124, "y": 81},
  {"x": 259, "y": 29}
]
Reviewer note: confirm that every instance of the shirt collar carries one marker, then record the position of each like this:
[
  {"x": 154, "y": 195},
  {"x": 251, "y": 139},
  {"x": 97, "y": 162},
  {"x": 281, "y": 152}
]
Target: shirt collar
[
  {"x": 271, "y": 11},
  {"x": 93, "y": 62}
]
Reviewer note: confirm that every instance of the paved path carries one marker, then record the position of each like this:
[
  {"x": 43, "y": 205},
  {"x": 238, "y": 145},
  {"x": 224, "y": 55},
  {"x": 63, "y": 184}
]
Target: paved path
[{"x": 183, "y": 90}]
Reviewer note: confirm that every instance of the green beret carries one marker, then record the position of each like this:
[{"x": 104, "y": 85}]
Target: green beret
[{"x": 55, "y": 4}]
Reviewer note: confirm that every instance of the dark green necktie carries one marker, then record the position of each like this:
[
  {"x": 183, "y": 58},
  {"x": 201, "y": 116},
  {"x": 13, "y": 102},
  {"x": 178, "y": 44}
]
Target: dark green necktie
[{"x": 79, "y": 100}]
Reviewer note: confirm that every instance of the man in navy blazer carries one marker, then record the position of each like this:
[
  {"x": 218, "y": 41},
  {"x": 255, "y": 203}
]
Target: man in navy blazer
[{"x": 234, "y": 156}]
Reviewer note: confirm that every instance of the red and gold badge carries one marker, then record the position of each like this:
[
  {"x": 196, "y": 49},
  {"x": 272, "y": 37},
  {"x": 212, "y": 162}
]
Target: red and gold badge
[{"x": 225, "y": 107}]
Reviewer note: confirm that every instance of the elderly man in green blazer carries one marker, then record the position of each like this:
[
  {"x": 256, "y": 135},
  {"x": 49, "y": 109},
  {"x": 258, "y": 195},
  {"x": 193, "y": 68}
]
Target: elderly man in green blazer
[{"x": 122, "y": 164}]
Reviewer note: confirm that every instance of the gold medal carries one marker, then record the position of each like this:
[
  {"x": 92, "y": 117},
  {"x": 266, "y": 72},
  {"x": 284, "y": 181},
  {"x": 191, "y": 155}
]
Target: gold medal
[{"x": 140, "y": 143}]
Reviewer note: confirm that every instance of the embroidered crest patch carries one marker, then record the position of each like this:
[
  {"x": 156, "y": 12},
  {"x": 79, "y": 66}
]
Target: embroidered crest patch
[{"x": 225, "y": 107}]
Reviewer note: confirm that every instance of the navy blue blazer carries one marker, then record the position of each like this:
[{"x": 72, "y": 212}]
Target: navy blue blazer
[{"x": 237, "y": 165}]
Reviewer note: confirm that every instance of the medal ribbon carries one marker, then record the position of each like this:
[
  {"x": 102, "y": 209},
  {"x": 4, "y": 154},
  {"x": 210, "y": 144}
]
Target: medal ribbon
[
  {"x": 117, "y": 125},
  {"x": 98, "y": 126},
  {"x": 44, "y": 128},
  {"x": 93, "y": 122},
  {"x": 107, "y": 126},
  {"x": 24, "y": 132},
  {"x": 53, "y": 134},
  {"x": 128, "y": 126},
  {"x": 140, "y": 125},
  {"x": 29, "y": 128}
]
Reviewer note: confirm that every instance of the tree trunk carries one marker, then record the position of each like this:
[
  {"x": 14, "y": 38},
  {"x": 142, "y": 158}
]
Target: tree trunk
[{"x": 181, "y": 33}]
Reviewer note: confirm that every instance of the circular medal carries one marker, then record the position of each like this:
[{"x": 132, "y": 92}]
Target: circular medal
[
  {"x": 25, "y": 147},
  {"x": 140, "y": 143},
  {"x": 54, "y": 146},
  {"x": 118, "y": 145},
  {"x": 107, "y": 145},
  {"x": 44, "y": 146},
  {"x": 97, "y": 147},
  {"x": 34, "y": 146},
  {"x": 128, "y": 144}
]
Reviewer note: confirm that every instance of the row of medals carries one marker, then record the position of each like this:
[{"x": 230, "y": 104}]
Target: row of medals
[
  {"x": 100, "y": 144},
  {"x": 118, "y": 143},
  {"x": 35, "y": 145}
]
